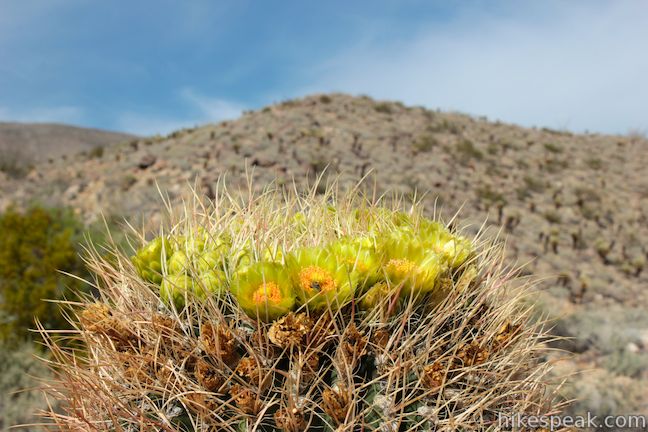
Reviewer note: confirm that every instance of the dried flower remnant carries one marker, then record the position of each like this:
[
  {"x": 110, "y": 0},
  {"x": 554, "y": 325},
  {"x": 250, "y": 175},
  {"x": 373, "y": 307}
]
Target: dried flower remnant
[
  {"x": 218, "y": 342},
  {"x": 336, "y": 403},
  {"x": 290, "y": 330}
]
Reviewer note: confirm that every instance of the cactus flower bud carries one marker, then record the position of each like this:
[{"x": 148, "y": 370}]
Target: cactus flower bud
[
  {"x": 174, "y": 288},
  {"x": 210, "y": 282},
  {"x": 210, "y": 260},
  {"x": 178, "y": 263},
  {"x": 148, "y": 259}
]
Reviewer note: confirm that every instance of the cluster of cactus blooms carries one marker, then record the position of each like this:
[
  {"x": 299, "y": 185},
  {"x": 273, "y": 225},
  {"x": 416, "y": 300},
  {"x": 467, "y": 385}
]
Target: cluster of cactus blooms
[
  {"x": 291, "y": 313},
  {"x": 412, "y": 255}
]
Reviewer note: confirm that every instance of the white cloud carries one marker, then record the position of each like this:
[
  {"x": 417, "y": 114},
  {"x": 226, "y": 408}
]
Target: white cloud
[
  {"x": 579, "y": 65},
  {"x": 212, "y": 109},
  {"x": 57, "y": 114},
  {"x": 206, "y": 109}
]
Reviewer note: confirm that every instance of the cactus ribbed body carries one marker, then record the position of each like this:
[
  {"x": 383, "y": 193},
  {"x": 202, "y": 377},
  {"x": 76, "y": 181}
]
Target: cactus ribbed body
[{"x": 297, "y": 314}]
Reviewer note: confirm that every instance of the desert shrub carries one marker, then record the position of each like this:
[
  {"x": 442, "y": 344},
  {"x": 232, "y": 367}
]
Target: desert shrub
[
  {"x": 20, "y": 372},
  {"x": 302, "y": 312},
  {"x": 425, "y": 143},
  {"x": 36, "y": 246},
  {"x": 553, "y": 217},
  {"x": 628, "y": 363},
  {"x": 555, "y": 131},
  {"x": 445, "y": 126},
  {"x": 586, "y": 195},
  {"x": 493, "y": 148},
  {"x": 489, "y": 196},
  {"x": 553, "y": 148},
  {"x": 602, "y": 394},
  {"x": 594, "y": 163},
  {"x": 530, "y": 185},
  {"x": 554, "y": 165},
  {"x": 466, "y": 151},
  {"x": 97, "y": 152},
  {"x": 534, "y": 184},
  {"x": 15, "y": 161},
  {"x": 384, "y": 108}
]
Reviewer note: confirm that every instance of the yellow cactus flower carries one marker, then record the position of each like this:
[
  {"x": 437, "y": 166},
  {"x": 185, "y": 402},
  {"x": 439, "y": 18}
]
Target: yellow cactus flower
[
  {"x": 360, "y": 257},
  {"x": 264, "y": 290},
  {"x": 376, "y": 295},
  {"x": 457, "y": 251},
  {"x": 243, "y": 259},
  {"x": 148, "y": 260},
  {"x": 321, "y": 279},
  {"x": 411, "y": 265}
]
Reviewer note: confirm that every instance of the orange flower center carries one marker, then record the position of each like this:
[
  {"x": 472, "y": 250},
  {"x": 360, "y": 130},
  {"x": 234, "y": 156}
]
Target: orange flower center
[
  {"x": 267, "y": 292},
  {"x": 400, "y": 268},
  {"x": 316, "y": 279}
]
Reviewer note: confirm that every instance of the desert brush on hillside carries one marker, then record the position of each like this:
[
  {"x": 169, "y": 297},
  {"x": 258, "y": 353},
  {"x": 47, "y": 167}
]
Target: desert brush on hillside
[{"x": 292, "y": 312}]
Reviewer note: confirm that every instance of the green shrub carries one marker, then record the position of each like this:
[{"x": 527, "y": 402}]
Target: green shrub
[
  {"x": 624, "y": 362},
  {"x": 553, "y": 217},
  {"x": 490, "y": 197},
  {"x": 36, "y": 247},
  {"x": 19, "y": 374},
  {"x": 15, "y": 161},
  {"x": 425, "y": 143},
  {"x": 594, "y": 163},
  {"x": 384, "y": 108},
  {"x": 96, "y": 152},
  {"x": 466, "y": 151},
  {"x": 553, "y": 148}
]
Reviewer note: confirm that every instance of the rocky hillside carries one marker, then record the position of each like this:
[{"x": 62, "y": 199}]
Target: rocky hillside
[
  {"x": 574, "y": 207},
  {"x": 41, "y": 141}
]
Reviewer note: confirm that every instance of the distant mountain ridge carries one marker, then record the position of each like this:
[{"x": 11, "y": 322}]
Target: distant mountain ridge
[{"x": 43, "y": 141}]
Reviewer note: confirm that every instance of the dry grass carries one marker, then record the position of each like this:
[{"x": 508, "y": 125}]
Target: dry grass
[{"x": 457, "y": 362}]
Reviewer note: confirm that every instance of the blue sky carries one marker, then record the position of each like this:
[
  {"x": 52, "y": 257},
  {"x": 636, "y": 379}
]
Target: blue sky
[{"x": 155, "y": 66}]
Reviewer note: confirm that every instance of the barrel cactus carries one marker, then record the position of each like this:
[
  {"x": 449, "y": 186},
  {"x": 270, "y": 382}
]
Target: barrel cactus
[{"x": 301, "y": 313}]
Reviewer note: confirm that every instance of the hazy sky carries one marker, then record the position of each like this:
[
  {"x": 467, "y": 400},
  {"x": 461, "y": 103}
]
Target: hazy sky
[{"x": 154, "y": 66}]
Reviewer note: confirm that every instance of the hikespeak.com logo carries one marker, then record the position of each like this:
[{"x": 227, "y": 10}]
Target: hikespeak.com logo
[{"x": 556, "y": 422}]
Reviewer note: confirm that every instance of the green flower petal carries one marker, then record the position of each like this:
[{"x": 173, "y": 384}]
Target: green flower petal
[
  {"x": 410, "y": 264},
  {"x": 360, "y": 257},
  {"x": 264, "y": 290},
  {"x": 321, "y": 279}
]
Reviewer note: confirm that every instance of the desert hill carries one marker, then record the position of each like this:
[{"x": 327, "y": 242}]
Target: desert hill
[
  {"x": 43, "y": 141},
  {"x": 574, "y": 207}
]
